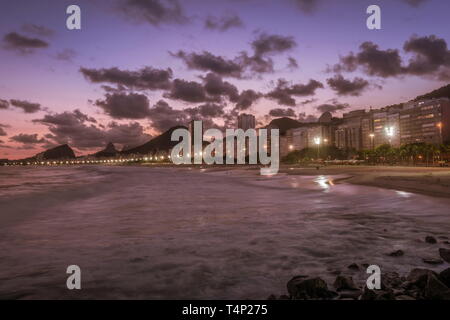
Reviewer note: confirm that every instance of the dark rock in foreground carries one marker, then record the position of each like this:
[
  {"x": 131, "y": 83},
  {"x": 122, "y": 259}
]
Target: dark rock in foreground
[
  {"x": 445, "y": 254},
  {"x": 304, "y": 287},
  {"x": 344, "y": 283},
  {"x": 432, "y": 261},
  {"x": 430, "y": 239},
  {"x": 420, "y": 284},
  {"x": 396, "y": 253}
]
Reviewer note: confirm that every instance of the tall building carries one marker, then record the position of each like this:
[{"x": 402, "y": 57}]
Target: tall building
[
  {"x": 425, "y": 121},
  {"x": 246, "y": 121}
]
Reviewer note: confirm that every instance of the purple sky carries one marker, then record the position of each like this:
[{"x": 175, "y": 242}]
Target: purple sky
[{"x": 208, "y": 59}]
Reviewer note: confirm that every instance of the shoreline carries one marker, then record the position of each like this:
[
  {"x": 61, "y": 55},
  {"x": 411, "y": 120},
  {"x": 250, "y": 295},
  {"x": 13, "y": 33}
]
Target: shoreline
[{"x": 429, "y": 181}]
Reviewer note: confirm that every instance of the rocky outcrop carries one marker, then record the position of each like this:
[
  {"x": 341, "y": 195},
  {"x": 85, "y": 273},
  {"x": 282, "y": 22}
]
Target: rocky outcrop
[
  {"x": 304, "y": 287},
  {"x": 58, "y": 153},
  {"x": 419, "y": 284},
  {"x": 445, "y": 254},
  {"x": 109, "y": 151}
]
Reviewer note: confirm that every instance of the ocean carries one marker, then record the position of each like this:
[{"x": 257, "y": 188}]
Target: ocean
[{"x": 173, "y": 233}]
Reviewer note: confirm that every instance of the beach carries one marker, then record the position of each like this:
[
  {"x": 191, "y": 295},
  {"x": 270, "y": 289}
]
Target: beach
[
  {"x": 164, "y": 232},
  {"x": 431, "y": 181}
]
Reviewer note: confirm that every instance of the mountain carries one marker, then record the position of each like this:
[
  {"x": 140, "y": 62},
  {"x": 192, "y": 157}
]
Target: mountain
[
  {"x": 109, "y": 151},
  {"x": 60, "y": 152},
  {"x": 443, "y": 92},
  {"x": 284, "y": 124},
  {"x": 160, "y": 143}
]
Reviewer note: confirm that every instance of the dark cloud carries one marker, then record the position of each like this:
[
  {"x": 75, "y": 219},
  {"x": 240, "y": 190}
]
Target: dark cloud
[
  {"x": 4, "y": 104},
  {"x": 431, "y": 54},
  {"x": 164, "y": 117},
  {"x": 206, "y": 61},
  {"x": 146, "y": 78},
  {"x": 308, "y": 101},
  {"x": 415, "y": 3},
  {"x": 208, "y": 110},
  {"x": 223, "y": 23},
  {"x": 255, "y": 64},
  {"x": 431, "y": 57},
  {"x": 78, "y": 130},
  {"x": 22, "y": 44},
  {"x": 303, "y": 117},
  {"x": 37, "y": 30},
  {"x": 247, "y": 98},
  {"x": 266, "y": 44},
  {"x": 216, "y": 87},
  {"x": 278, "y": 112},
  {"x": 155, "y": 12},
  {"x": 2, "y": 131},
  {"x": 130, "y": 133},
  {"x": 375, "y": 62},
  {"x": 292, "y": 63},
  {"x": 26, "y": 106},
  {"x": 307, "y": 6},
  {"x": 284, "y": 91},
  {"x": 332, "y": 107},
  {"x": 245, "y": 64},
  {"x": 125, "y": 106},
  {"x": 189, "y": 91},
  {"x": 66, "y": 55},
  {"x": 345, "y": 87},
  {"x": 27, "y": 138}
]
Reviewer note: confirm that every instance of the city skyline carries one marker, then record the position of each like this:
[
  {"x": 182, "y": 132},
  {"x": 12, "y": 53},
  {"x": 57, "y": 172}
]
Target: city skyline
[{"x": 92, "y": 86}]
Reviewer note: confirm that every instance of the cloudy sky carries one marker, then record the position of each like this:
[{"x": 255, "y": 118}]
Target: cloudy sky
[{"x": 139, "y": 67}]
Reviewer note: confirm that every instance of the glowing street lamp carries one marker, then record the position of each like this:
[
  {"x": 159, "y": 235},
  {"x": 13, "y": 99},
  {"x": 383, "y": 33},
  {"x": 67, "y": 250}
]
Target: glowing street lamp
[
  {"x": 317, "y": 141},
  {"x": 390, "y": 133},
  {"x": 439, "y": 125},
  {"x": 372, "y": 136}
]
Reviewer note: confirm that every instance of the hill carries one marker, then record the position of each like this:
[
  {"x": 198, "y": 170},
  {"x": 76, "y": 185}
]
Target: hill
[
  {"x": 109, "y": 151},
  {"x": 160, "y": 143},
  {"x": 284, "y": 124},
  {"x": 443, "y": 92}
]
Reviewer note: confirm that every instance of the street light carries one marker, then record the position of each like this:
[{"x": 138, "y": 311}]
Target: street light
[
  {"x": 317, "y": 141},
  {"x": 389, "y": 133},
  {"x": 439, "y": 125},
  {"x": 372, "y": 136}
]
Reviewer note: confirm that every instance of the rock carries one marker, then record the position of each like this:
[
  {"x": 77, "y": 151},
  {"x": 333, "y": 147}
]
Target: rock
[
  {"x": 304, "y": 287},
  {"x": 350, "y": 294},
  {"x": 391, "y": 280},
  {"x": 436, "y": 290},
  {"x": 369, "y": 294},
  {"x": 430, "y": 239},
  {"x": 446, "y": 242},
  {"x": 396, "y": 253},
  {"x": 335, "y": 272},
  {"x": 353, "y": 266},
  {"x": 404, "y": 297},
  {"x": 445, "y": 254},
  {"x": 419, "y": 277},
  {"x": 432, "y": 261},
  {"x": 344, "y": 283},
  {"x": 444, "y": 276}
]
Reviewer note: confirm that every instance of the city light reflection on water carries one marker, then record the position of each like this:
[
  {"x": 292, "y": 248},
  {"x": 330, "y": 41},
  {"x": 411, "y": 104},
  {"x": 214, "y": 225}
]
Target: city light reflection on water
[{"x": 323, "y": 182}]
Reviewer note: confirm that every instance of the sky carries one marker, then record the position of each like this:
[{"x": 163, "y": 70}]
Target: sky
[{"x": 138, "y": 67}]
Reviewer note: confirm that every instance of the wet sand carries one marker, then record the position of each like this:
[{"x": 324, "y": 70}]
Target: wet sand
[{"x": 431, "y": 181}]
